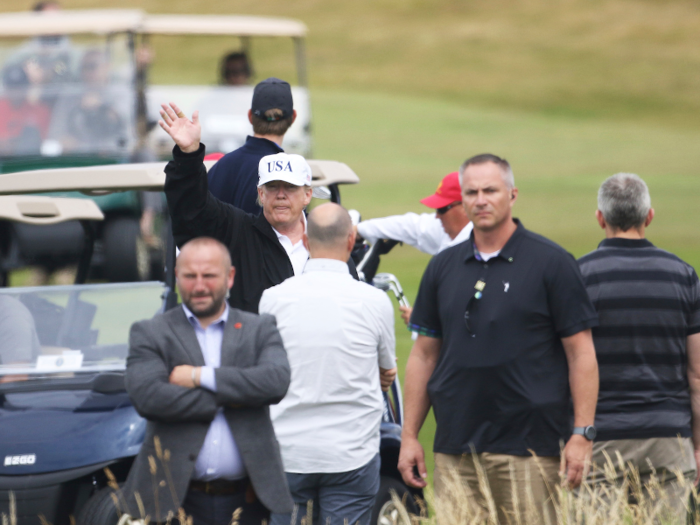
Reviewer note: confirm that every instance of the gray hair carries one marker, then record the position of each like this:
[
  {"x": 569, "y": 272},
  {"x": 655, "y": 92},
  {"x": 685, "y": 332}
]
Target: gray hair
[
  {"x": 331, "y": 229},
  {"x": 624, "y": 201},
  {"x": 506, "y": 171}
]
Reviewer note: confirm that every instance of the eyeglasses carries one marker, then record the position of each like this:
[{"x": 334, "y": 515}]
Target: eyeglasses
[
  {"x": 445, "y": 209},
  {"x": 471, "y": 304}
]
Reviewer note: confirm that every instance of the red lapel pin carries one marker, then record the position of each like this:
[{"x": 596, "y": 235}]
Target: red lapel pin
[{"x": 237, "y": 326}]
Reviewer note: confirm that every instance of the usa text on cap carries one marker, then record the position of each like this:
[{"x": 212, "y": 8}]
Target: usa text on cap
[{"x": 286, "y": 167}]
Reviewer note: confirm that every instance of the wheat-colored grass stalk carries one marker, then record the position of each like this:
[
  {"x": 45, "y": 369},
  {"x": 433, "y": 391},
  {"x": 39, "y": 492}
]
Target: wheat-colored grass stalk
[
  {"x": 619, "y": 500},
  {"x": 630, "y": 501}
]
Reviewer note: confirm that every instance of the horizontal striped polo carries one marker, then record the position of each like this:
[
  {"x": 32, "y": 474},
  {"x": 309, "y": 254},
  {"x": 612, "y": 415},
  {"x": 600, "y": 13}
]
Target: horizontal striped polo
[{"x": 648, "y": 303}]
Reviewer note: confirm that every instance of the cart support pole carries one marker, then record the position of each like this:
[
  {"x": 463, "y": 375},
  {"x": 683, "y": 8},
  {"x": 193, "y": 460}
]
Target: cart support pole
[
  {"x": 301, "y": 62},
  {"x": 86, "y": 256}
]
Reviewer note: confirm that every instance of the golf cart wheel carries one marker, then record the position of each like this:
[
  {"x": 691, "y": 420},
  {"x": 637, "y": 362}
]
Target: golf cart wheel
[
  {"x": 125, "y": 252},
  {"x": 100, "y": 509},
  {"x": 385, "y": 511}
]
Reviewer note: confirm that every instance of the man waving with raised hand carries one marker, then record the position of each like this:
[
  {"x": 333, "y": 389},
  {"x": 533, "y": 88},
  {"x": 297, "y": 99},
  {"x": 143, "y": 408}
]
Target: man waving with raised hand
[{"x": 266, "y": 249}]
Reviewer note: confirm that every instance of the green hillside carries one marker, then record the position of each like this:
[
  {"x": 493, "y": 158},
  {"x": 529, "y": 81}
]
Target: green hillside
[{"x": 632, "y": 59}]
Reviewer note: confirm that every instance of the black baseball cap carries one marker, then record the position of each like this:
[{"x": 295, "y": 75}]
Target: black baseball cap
[{"x": 272, "y": 93}]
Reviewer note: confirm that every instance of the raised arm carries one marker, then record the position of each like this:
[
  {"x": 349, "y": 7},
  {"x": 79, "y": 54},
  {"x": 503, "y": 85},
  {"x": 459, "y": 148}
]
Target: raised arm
[
  {"x": 264, "y": 383},
  {"x": 194, "y": 210},
  {"x": 153, "y": 396},
  {"x": 422, "y": 231},
  {"x": 186, "y": 133}
]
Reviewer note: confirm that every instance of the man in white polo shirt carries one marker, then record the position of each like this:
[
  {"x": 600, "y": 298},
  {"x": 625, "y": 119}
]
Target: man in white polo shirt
[
  {"x": 339, "y": 337},
  {"x": 431, "y": 233}
]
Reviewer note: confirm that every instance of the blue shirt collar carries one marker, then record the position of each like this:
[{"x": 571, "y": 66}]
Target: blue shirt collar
[
  {"x": 194, "y": 321},
  {"x": 264, "y": 145},
  {"x": 619, "y": 242}
]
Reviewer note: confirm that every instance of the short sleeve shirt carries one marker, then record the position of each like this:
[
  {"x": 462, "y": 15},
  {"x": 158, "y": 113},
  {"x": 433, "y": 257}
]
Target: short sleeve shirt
[{"x": 501, "y": 381}]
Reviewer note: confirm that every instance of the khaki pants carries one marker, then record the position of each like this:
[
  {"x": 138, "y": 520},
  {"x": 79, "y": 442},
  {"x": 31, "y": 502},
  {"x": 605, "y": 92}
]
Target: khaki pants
[
  {"x": 523, "y": 485},
  {"x": 662, "y": 457}
]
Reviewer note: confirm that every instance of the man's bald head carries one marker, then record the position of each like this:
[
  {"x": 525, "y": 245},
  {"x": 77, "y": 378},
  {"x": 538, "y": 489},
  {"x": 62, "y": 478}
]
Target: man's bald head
[
  {"x": 329, "y": 232},
  {"x": 204, "y": 242}
]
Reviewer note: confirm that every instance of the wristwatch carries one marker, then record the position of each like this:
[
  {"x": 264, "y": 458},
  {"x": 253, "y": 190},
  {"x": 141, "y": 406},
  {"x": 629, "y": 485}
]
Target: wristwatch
[{"x": 588, "y": 432}]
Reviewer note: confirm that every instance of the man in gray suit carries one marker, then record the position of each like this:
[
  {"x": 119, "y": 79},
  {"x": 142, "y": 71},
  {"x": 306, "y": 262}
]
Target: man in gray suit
[{"x": 204, "y": 375}]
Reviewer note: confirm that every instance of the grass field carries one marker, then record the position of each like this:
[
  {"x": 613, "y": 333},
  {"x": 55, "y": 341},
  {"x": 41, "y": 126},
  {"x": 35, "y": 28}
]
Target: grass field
[
  {"x": 632, "y": 59},
  {"x": 569, "y": 91}
]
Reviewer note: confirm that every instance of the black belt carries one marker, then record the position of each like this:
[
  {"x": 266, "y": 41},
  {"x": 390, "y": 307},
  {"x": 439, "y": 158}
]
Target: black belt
[{"x": 220, "y": 487}]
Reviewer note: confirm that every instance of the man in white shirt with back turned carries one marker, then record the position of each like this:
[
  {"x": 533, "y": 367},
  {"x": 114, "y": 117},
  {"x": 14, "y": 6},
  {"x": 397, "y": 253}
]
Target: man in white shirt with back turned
[
  {"x": 339, "y": 337},
  {"x": 431, "y": 233}
]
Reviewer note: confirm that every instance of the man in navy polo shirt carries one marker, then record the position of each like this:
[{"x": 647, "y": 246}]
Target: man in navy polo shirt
[
  {"x": 505, "y": 342},
  {"x": 234, "y": 178}
]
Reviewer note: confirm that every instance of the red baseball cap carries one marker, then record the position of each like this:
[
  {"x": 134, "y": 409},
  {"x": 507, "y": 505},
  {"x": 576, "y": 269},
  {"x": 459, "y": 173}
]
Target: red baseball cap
[{"x": 448, "y": 191}]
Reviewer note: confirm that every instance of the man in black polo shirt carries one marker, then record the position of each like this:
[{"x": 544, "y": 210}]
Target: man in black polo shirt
[
  {"x": 234, "y": 178},
  {"x": 648, "y": 345},
  {"x": 505, "y": 340}
]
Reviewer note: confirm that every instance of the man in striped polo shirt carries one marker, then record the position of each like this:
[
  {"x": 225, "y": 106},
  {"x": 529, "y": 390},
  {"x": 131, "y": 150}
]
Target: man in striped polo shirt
[{"x": 647, "y": 343}]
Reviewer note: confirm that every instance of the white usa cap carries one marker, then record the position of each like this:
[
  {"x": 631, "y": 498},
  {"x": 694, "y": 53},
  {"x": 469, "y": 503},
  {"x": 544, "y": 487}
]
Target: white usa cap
[{"x": 286, "y": 167}]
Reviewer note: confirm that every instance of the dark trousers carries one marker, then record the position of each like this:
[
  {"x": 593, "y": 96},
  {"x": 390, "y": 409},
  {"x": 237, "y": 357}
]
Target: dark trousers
[
  {"x": 338, "y": 498},
  {"x": 209, "y": 509}
]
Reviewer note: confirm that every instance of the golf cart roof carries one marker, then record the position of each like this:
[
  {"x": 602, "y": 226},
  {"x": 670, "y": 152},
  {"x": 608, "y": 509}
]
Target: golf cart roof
[
  {"x": 100, "y": 21},
  {"x": 222, "y": 25},
  {"x": 97, "y": 180},
  {"x": 41, "y": 210},
  {"x": 104, "y": 21}
]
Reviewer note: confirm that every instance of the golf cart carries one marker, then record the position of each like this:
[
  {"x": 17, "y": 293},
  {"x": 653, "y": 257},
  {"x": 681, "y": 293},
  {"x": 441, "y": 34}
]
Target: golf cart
[
  {"x": 74, "y": 93},
  {"x": 223, "y": 109},
  {"x": 64, "y": 409}
]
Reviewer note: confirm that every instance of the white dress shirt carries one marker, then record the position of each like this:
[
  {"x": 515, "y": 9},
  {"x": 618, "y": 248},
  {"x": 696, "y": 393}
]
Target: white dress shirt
[
  {"x": 219, "y": 456},
  {"x": 422, "y": 231},
  {"x": 298, "y": 254},
  {"x": 337, "y": 332}
]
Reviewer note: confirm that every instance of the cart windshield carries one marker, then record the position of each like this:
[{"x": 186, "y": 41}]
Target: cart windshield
[
  {"x": 67, "y": 96},
  {"x": 67, "y": 331}
]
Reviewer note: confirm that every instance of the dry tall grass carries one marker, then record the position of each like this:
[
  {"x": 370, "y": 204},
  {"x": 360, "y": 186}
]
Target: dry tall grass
[{"x": 632, "y": 502}]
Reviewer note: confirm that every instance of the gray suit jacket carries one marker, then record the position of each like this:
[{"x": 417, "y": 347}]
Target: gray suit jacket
[{"x": 254, "y": 373}]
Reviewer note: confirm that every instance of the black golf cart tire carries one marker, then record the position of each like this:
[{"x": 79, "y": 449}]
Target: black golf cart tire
[
  {"x": 99, "y": 509},
  {"x": 383, "y": 500},
  {"x": 126, "y": 257}
]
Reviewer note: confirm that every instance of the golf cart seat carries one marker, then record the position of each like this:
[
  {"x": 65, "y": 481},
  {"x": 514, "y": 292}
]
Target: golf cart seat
[
  {"x": 40, "y": 210},
  {"x": 100, "y": 180},
  {"x": 20, "y": 214}
]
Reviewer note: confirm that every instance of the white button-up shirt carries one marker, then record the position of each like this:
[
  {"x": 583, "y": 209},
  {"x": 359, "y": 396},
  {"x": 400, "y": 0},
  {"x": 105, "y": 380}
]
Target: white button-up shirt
[
  {"x": 298, "y": 254},
  {"x": 219, "y": 456},
  {"x": 423, "y": 231},
  {"x": 337, "y": 332}
]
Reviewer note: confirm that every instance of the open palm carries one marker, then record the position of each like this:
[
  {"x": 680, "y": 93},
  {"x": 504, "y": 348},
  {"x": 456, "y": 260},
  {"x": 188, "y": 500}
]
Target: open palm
[{"x": 185, "y": 132}]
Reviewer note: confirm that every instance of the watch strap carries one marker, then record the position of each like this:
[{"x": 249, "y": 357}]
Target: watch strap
[{"x": 589, "y": 432}]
